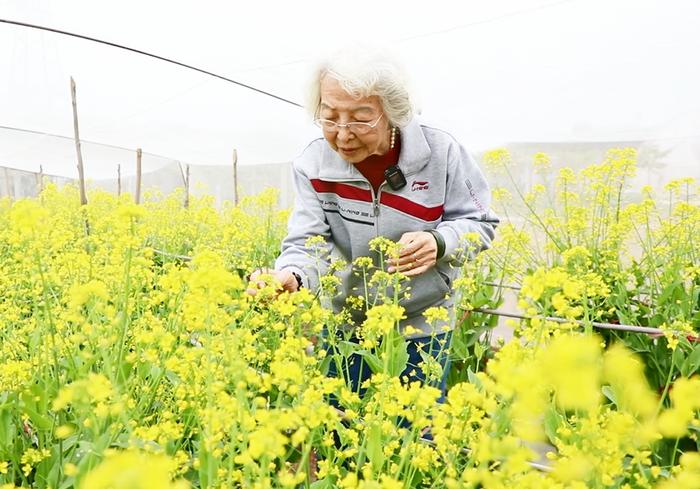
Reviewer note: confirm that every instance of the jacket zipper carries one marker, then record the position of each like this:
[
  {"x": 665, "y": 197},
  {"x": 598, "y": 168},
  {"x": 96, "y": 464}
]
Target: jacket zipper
[
  {"x": 375, "y": 198},
  {"x": 375, "y": 207}
]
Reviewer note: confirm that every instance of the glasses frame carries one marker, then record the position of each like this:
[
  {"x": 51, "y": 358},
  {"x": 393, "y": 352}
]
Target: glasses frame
[{"x": 335, "y": 127}]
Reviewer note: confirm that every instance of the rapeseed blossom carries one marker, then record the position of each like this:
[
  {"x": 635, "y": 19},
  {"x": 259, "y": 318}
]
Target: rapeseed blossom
[
  {"x": 132, "y": 470},
  {"x": 132, "y": 357}
]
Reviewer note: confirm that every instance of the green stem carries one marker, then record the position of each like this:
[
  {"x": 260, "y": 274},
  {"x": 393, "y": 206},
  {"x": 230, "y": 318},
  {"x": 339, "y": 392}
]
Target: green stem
[
  {"x": 533, "y": 211},
  {"x": 125, "y": 311},
  {"x": 666, "y": 388},
  {"x": 49, "y": 316},
  {"x": 675, "y": 450}
]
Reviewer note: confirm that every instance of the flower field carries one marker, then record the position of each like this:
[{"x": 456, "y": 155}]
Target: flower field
[{"x": 131, "y": 355}]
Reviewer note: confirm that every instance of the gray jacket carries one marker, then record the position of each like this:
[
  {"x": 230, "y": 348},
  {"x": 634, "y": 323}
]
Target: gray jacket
[{"x": 445, "y": 190}]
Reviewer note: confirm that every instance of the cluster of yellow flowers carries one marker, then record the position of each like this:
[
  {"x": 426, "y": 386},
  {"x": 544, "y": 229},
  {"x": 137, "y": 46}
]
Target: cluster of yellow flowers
[{"x": 131, "y": 356}]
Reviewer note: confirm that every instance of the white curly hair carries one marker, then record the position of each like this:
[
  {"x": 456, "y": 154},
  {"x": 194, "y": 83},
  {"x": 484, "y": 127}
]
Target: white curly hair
[{"x": 363, "y": 72}]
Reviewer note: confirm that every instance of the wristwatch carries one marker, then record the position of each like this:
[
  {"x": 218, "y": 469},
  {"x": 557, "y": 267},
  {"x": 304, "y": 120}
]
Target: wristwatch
[
  {"x": 440, "y": 241},
  {"x": 300, "y": 284}
]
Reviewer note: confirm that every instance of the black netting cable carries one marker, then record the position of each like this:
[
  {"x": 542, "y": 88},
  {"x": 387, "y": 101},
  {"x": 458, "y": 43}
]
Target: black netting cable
[{"x": 138, "y": 51}]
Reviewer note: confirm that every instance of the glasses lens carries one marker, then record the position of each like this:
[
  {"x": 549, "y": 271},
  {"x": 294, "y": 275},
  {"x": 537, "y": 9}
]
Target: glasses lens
[
  {"x": 326, "y": 125},
  {"x": 359, "y": 127}
]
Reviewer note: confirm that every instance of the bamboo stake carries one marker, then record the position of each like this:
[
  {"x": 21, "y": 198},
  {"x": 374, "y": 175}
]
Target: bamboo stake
[
  {"x": 187, "y": 186},
  {"x": 81, "y": 173},
  {"x": 119, "y": 180},
  {"x": 235, "y": 176},
  {"x": 8, "y": 188},
  {"x": 40, "y": 177},
  {"x": 182, "y": 173},
  {"x": 138, "y": 176}
]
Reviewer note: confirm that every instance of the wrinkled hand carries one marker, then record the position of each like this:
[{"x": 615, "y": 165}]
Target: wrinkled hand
[
  {"x": 418, "y": 254},
  {"x": 287, "y": 281}
]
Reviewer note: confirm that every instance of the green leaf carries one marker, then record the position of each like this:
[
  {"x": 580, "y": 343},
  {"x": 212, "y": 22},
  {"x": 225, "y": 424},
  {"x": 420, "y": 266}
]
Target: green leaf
[
  {"x": 208, "y": 465},
  {"x": 473, "y": 379},
  {"x": 70, "y": 442},
  {"x": 372, "y": 360},
  {"x": 375, "y": 451},
  {"x": 68, "y": 482},
  {"x": 479, "y": 350},
  {"x": 669, "y": 292},
  {"x": 399, "y": 355},
  {"x": 325, "y": 483},
  {"x": 691, "y": 363},
  {"x": 156, "y": 371},
  {"x": 173, "y": 377},
  {"x": 125, "y": 370},
  {"x": 39, "y": 420},
  {"x": 8, "y": 430},
  {"x": 325, "y": 364},
  {"x": 610, "y": 394},
  {"x": 458, "y": 348},
  {"x": 552, "y": 421},
  {"x": 347, "y": 348},
  {"x": 678, "y": 358}
]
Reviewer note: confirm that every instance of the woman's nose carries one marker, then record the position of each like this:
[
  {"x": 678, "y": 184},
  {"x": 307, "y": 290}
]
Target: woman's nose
[{"x": 345, "y": 134}]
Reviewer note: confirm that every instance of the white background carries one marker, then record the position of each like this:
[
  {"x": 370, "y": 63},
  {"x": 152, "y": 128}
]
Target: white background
[{"x": 489, "y": 72}]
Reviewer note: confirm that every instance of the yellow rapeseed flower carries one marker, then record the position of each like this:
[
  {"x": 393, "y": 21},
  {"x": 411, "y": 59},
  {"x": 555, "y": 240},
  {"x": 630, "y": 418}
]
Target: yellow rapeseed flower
[{"x": 132, "y": 470}]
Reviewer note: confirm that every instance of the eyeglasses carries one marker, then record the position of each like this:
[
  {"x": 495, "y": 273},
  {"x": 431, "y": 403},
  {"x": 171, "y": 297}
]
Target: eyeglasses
[{"x": 354, "y": 127}]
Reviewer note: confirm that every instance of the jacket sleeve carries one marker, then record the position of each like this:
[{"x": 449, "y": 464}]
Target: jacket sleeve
[
  {"x": 307, "y": 220},
  {"x": 467, "y": 207}
]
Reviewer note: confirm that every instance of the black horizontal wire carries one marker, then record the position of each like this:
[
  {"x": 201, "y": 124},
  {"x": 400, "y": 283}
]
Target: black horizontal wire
[
  {"x": 138, "y": 51},
  {"x": 85, "y": 141}
]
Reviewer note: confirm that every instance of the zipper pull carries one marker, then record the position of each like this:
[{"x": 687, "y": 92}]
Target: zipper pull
[{"x": 375, "y": 208}]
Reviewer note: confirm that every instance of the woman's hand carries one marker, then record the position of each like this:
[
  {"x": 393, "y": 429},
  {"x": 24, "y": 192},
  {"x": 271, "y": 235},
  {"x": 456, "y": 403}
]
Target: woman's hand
[
  {"x": 418, "y": 254},
  {"x": 286, "y": 279}
]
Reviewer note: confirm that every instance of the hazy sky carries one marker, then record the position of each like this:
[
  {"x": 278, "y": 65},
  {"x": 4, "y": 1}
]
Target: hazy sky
[{"x": 489, "y": 72}]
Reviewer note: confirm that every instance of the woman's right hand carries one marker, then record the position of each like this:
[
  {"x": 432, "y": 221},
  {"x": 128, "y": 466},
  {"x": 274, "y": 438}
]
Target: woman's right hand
[{"x": 285, "y": 279}]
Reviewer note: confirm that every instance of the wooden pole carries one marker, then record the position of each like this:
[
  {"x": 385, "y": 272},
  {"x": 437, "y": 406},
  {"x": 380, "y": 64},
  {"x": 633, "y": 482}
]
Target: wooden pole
[
  {"x": 187, "y": 186},
  {"x": 182, "y": 174},
  {"x": 8, "y": 188},
  {"x": 119, "y": 180},
  {"x": 235, "y": 176},
  {"x": 138, "y": 176},
  {"x": 41, "y": 179},
  {"x": 185, "y": 183},
  {"x": 81, "y": 173}
]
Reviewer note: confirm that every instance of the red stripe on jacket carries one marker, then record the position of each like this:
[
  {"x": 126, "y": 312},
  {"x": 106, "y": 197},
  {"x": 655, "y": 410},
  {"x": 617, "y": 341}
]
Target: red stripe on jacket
[
  {"x": 397, "y": 202},
  {"x": 342, "y": 190},
  {"x": 412, "y": 208}
]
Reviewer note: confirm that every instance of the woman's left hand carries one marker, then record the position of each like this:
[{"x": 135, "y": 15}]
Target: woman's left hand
[{"x": 418, "y": 254}]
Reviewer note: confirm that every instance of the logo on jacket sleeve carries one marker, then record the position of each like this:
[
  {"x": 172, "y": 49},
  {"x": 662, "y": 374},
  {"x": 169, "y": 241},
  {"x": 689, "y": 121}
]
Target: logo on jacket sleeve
[{"x": 418, "y": 185}]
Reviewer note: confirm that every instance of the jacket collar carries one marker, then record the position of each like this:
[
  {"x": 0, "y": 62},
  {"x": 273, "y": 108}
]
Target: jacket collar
[{"x": 415, "y": 154}]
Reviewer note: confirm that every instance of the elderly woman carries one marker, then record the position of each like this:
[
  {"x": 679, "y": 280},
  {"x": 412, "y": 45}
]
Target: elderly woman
[{"x": 377, "y": 171}]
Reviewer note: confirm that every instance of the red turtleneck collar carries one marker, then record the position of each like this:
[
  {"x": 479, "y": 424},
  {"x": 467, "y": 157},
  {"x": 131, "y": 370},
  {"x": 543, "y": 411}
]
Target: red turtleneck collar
[{"x": 372, "y": 167}]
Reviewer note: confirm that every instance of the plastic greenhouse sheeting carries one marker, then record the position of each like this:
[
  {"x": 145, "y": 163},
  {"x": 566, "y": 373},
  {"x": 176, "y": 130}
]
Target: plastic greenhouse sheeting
[{"x": 566, "y": 77}]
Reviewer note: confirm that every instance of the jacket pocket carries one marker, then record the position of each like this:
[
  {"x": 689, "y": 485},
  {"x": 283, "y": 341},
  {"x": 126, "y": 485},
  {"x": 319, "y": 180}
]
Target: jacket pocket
[{"x": 427, "y": 289}]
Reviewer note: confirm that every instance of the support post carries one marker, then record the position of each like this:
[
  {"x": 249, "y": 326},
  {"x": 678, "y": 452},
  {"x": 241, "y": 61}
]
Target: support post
[
  {"x": 8, "y": 187},
  {"x": 40, "y": 180},
  {"x": 81, "y": 173},
  {"x": 119, "y": 180},
  {"x": 235, "y": 176},
  {"x": 137, "y": 197},
  {"x": 187, "y": 186}
]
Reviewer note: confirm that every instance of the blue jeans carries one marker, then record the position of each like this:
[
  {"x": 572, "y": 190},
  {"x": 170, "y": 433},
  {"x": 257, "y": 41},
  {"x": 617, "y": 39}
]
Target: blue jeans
[{"x": 357, "y": 370}]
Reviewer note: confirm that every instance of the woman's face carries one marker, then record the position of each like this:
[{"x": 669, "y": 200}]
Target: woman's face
[{"x": 339, "y": 106}]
